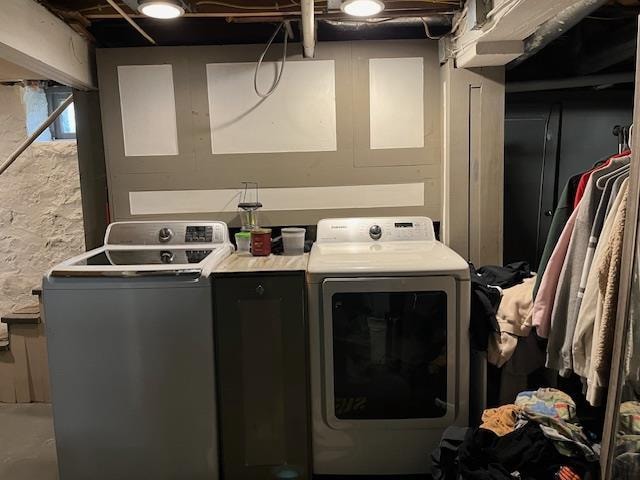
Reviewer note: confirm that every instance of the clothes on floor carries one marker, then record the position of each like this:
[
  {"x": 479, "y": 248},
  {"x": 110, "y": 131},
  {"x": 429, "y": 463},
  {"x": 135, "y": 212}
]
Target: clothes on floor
[
  {"x": 555, "y": 412},
  {"x": 525, "y": 440},
  {"x": 501, "y": 420},
  {"x": 444, "y": 459},
  {"x": 487, "y": 456}
]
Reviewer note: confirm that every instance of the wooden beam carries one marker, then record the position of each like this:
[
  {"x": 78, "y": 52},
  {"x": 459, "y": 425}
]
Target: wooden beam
[
  {"x": 513, "y": 21},
  {"x": 35, "y": 39}
]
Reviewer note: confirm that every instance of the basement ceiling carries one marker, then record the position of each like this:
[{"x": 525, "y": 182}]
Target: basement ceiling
[{"x": 247, "y": 21}]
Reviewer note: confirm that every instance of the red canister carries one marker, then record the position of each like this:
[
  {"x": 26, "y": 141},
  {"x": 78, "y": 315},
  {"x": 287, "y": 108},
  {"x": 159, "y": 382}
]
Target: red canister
[{"x": 261, "y": 242}]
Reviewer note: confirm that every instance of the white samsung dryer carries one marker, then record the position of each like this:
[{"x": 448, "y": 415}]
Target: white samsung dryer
[
  {"x": 389, "y": 347},
  {"x": 131, "y": 353}
]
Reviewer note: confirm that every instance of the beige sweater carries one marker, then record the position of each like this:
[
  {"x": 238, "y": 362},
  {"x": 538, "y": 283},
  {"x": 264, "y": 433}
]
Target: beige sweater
[
  {"x": 583, "y": 336},
  {"x": 608, "y": 269}
]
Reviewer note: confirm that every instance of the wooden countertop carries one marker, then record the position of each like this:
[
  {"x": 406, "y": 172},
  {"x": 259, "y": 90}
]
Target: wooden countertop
[{"x": 273, "y": 263}]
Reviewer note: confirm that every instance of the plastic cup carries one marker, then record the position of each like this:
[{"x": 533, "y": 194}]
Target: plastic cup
[
  {"x": 293, "y": 240},
  {"x": 243, "y": 241}
]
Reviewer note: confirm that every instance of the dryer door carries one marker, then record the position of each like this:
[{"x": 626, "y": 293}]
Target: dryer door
[{"x": 389, "y": 352}]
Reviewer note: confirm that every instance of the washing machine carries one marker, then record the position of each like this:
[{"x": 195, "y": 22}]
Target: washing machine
[
  {"x": 389, "y": 346},
  {"x": 131, "y": 353}
]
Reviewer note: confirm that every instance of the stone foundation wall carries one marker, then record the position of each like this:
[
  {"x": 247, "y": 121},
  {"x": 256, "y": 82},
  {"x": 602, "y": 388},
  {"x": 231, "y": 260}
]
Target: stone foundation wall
[{"x": 40, "y": 206}]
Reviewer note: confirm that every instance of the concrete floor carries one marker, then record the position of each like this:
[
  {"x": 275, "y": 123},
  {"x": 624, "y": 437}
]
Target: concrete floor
[{"x": 27, "y": 446}]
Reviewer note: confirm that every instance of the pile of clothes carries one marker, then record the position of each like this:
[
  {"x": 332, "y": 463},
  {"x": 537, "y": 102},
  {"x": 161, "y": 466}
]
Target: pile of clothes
[
  {"x": 501, "y": 325},
  {"x": 626, "y": 463},
  {"x": 537, "y": 437}
]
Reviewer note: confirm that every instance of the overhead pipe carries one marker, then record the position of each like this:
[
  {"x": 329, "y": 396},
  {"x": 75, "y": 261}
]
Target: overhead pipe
[
  {"x": 308, "y": 28},
  {"x": 50, "y": 119},
  {"x": 555, "y": 27},
  {"x": 431, "y": 23},
  {"x": 131, "y": 21}
]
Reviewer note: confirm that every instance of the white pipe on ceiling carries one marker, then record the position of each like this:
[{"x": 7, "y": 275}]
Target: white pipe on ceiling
[
  {"x": 308, "y": 28},
  {"x": 126, "y": 16}
]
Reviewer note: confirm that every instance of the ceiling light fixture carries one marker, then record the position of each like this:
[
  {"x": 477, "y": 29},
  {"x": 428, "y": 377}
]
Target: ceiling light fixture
[
  {"x": 164, "y": 9},
  {"x": 362, "y": 8}
]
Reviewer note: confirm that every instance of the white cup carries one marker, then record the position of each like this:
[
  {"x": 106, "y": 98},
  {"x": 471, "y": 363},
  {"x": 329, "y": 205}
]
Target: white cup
[{"x": 293, "y": 240}]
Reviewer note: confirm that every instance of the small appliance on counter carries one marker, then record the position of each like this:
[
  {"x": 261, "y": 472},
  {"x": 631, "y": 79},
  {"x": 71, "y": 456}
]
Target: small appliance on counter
[{"x": 249, "y": 210}]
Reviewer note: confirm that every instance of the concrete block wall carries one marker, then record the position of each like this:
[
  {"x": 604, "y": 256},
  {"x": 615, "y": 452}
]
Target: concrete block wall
[{"x": 40, "y": 206}]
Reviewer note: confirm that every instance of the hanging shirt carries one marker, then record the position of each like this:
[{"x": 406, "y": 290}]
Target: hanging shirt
[
  {"x": 560, "y": 217},
  {"x": 583, "y": 335},
  {"x": 543, "y": 304},
  {"x": 582, "y": 184},
  {"x": 565, "y": 314},
  {"x": 608, "y": 270}
]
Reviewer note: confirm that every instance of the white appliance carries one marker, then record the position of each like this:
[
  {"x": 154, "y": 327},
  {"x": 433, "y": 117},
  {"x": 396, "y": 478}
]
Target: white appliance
[
  {"x": 389, "y": 348},
  {"x": 131, "y": 353}
]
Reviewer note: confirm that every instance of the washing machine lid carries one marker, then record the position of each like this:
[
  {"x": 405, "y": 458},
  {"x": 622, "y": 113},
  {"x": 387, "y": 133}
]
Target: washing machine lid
[
  {"x": 128, "y": 262},
  {"x": 386, "y": 258},
  {"x": 153, "y": 248}
]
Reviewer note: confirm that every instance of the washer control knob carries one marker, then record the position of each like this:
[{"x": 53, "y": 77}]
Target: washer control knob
[
  {"x": 166, "y": 256},
  {"x": 375, "y": 232},
  {"x": 165, "y": 234}
]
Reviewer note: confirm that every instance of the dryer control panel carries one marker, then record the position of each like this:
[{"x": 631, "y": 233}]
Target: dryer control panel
[
  {"x": 375, "y": 229},
  {"x": 166, "y": 233}
]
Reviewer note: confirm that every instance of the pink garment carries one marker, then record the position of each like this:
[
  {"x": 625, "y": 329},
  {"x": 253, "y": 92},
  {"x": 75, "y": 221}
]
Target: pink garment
[{"x": 543, "y": 304}]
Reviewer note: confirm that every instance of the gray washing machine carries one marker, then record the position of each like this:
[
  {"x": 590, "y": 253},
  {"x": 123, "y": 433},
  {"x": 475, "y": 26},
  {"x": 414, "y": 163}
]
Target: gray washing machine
[{"x": 130, "y": 343}]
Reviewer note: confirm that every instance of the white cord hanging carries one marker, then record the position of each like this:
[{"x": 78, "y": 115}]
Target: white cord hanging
[{"x": 284, "y": 61}]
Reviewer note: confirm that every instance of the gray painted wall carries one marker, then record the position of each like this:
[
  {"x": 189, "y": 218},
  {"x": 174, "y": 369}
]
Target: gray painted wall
[{"x": 197, "y": 168}]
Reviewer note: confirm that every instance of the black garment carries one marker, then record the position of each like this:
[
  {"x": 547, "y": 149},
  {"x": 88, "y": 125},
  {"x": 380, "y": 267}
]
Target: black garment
[
  {"x": 486, "y": 456},
  {"x": 485, "y": 298},
  {"x": 444, "y": 459},
  {"x": 507, "y": 276}
]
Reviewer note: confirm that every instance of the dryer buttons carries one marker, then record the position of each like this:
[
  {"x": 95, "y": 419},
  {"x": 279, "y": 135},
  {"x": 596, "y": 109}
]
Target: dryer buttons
[{"x": 375, "y": 232}]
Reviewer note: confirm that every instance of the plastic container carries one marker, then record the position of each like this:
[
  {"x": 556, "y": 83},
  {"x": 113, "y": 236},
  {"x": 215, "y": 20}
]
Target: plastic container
[
  {"x": 293, "y": 240},
  {"x": 261, "y": 242},
  {"x": 243, "y": 242}
]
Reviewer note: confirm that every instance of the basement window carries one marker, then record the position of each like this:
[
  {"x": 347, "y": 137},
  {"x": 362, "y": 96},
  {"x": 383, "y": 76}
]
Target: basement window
[{"x": 64, "y": 128}]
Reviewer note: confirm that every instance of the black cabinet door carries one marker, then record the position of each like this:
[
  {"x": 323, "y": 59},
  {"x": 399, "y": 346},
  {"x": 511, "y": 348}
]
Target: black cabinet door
[{"x": 261, "y": 340}]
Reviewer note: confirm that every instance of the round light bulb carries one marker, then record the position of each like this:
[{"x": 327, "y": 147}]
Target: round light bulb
[
  {"x": 362, "y": 8},
  {"x": 163, "y": 10}
]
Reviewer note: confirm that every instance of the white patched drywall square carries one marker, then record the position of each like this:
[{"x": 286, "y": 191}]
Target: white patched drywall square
[
  {"x": 148, "y": 106},
  {"x": 396, "y": 103},
  {"x": 300, "y": 115}
]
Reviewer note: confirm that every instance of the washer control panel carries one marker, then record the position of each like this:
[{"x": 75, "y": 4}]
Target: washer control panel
[
  {"x": 375, "y": 229},
  {"x": 166, "y": 233}
]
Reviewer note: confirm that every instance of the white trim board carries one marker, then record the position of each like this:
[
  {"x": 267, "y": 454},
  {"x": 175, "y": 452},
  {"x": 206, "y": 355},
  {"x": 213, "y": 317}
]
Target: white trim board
[{"x": 278, "y": 199}]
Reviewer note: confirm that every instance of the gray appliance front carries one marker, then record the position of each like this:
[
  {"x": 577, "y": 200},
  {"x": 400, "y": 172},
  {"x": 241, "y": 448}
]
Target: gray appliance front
[{"x": 131, "y": 363}]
